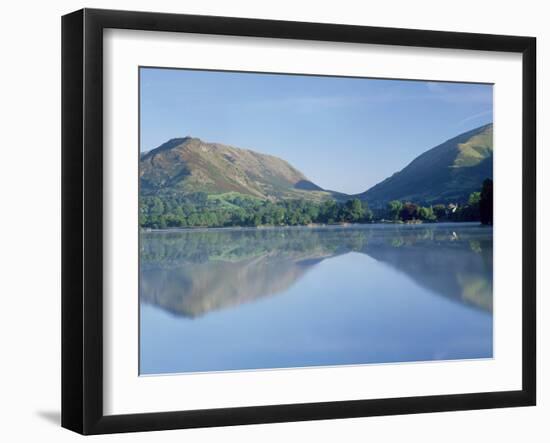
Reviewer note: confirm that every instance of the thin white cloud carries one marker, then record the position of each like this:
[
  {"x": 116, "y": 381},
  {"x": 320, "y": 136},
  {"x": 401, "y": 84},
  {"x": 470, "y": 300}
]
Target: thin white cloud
[
  {"x": 474, "y": 95},
  {"x": 475, "y": 116},
  {"x": 313, "y": 103},
  {"x": 435, "y": 92}
]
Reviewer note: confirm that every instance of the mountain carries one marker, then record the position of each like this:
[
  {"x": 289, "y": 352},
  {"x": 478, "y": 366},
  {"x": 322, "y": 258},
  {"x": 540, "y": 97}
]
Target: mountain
[
  {"x": 189, "y": 165},
  {"x": 192, "y": 290},
  {"x": 193, "y": 273},
  {"x": 447, "y": 173}
]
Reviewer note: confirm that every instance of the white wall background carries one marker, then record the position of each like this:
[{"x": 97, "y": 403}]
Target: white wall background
[{"x": 30, "y": 219}]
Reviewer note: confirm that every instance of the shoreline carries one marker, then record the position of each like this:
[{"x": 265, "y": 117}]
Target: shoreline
[{"x": 312, "y": 226}]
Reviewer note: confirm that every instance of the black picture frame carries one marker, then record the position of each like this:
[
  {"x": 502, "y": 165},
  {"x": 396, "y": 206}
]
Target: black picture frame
[{"x": 82, "y": 218}]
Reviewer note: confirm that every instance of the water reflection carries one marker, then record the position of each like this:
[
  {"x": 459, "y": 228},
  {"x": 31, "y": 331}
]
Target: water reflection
[{"x": 191, "y": 273}]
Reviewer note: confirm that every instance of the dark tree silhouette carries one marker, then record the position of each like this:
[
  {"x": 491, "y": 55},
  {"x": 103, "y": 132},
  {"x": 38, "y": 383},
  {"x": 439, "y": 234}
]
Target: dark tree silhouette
[
  {"x": 486, "y": 202},
  {"x": 409, "y": 211}
]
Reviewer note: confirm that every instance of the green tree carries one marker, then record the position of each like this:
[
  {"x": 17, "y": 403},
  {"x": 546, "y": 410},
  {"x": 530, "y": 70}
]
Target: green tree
[
  {"x": 328, "y": 212},
  {"x": 394, "y": 209},
  {"x": 474, "y": 198},
  {"x": 156, "y": 207},
  {"x": 352, "y": 211},
  {"x": 367, "y": 213},
  {"x": 193, "y": 220},
  {"x": 426, "y": 214}
]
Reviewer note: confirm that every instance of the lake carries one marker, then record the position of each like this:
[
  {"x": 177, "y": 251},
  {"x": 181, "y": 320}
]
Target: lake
[{"x": 236, "y": 299}]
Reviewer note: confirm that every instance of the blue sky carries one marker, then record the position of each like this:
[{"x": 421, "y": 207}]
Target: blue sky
[{"x": 344, "y": 134}]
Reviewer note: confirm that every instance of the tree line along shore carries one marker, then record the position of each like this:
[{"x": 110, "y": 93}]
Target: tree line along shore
[{"x": 199, "y": 210}]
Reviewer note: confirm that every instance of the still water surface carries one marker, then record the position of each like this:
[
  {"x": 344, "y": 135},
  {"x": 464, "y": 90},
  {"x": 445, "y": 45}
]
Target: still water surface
[{"x": 217, "y": 300}]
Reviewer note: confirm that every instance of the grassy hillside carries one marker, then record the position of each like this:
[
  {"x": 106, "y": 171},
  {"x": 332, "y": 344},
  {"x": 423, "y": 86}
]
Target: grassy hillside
[
  {"x": 189, "y": 165},
  {"x": 447, "y": 173},
  {"x": 190, "y": 183}
]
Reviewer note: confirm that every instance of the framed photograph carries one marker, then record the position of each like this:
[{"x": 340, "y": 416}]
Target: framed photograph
[{"x": 269, "y": 221}]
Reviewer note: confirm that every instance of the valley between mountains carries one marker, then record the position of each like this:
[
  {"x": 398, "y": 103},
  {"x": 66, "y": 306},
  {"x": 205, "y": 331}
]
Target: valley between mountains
[{"x": 187, "y": 182}]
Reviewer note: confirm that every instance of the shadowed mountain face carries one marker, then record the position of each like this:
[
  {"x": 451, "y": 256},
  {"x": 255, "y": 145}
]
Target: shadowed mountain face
[
  {"x": 188, "y": 165},
  {"x": 447, "y": 173},
  {"x": 204, "y": 287},
  {"x": 191, "y": 273}
]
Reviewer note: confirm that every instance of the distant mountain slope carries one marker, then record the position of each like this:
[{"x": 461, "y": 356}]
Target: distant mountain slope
[
  {"x": 187, "y": 165},
  {"x": 449, "y": 172}
]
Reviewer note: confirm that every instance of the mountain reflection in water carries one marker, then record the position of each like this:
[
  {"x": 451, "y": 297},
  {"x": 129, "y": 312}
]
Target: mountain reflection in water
[{"x": 191, "y": 273}]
